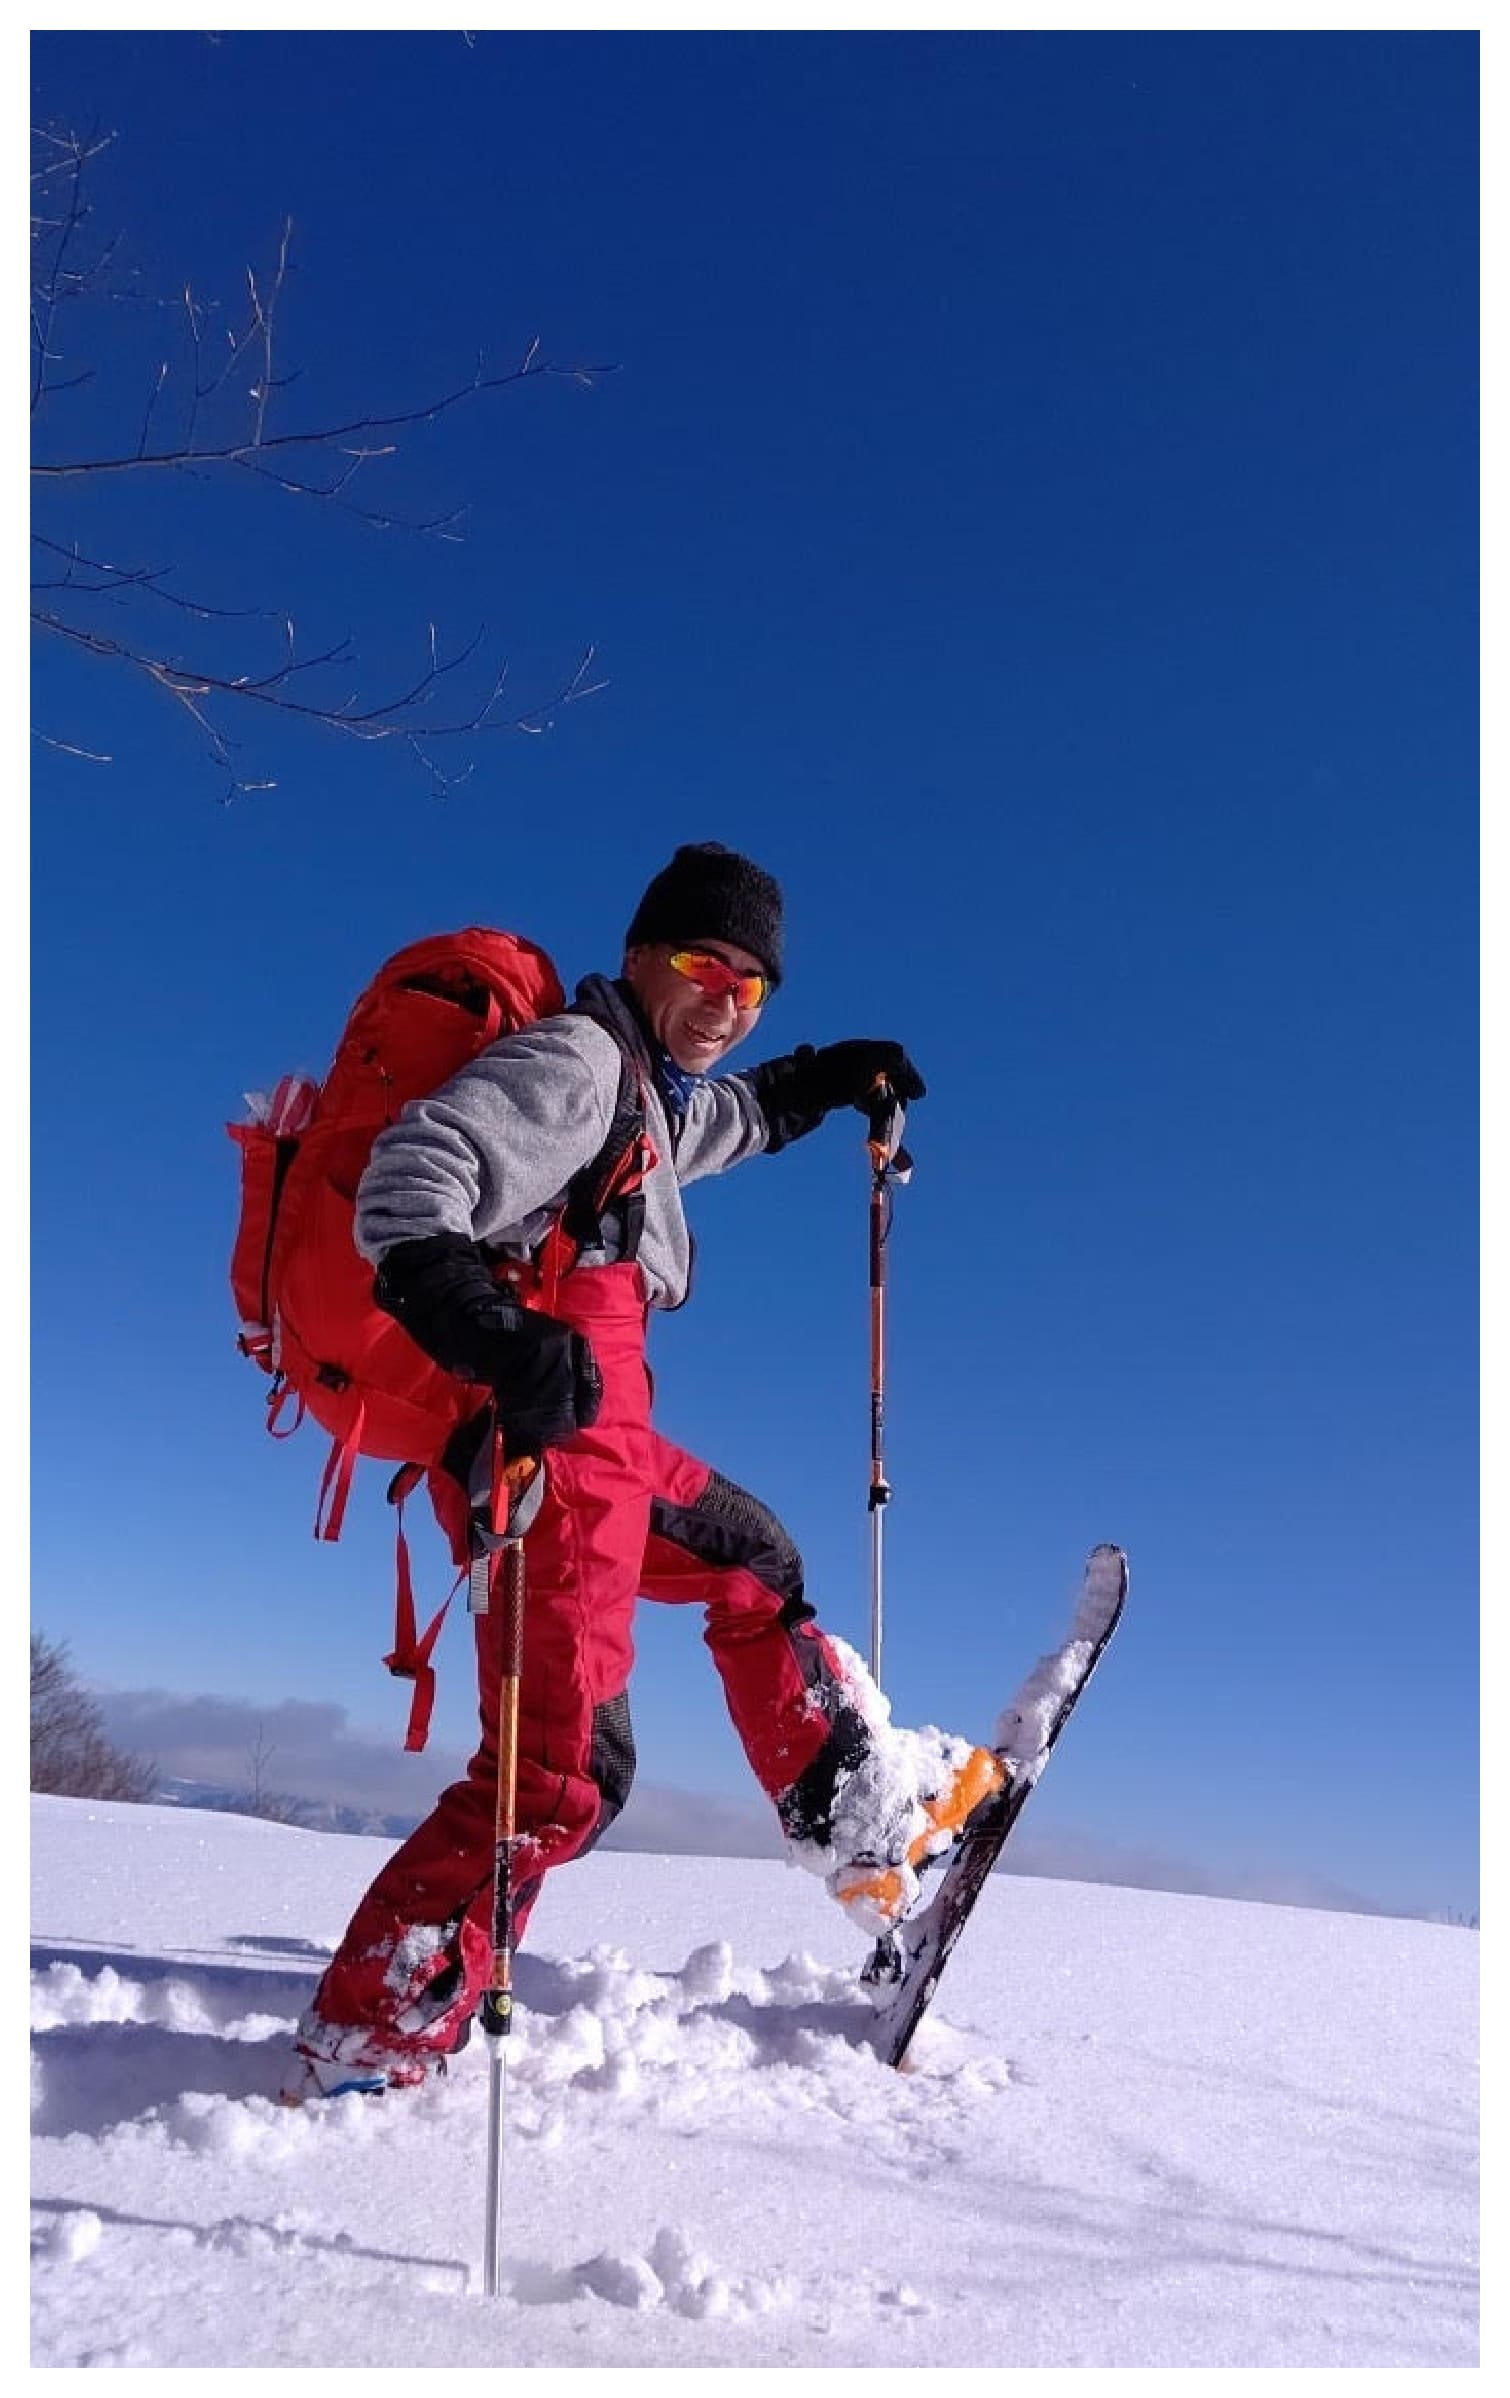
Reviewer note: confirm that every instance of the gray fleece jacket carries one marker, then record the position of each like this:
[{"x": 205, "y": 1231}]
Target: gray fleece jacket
[{"x": 491, "y": 1153}]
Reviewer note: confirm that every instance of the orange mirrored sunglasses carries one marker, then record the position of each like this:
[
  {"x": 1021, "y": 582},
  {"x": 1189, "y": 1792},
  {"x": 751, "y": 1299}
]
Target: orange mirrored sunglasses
[{"x": 712, "y": 975}]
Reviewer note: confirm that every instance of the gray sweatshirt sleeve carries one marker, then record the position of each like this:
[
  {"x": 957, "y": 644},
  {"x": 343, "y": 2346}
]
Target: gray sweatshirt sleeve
[
  {"x": 723, "y": 1125},
  {"x": 493, "y": 1149}
]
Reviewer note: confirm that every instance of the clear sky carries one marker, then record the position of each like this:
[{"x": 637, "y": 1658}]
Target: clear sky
[{"x": 1034, "y": 511}]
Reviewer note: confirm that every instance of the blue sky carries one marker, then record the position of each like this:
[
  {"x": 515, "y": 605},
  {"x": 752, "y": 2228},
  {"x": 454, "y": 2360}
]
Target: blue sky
[{"x": 1034, "y": 511}]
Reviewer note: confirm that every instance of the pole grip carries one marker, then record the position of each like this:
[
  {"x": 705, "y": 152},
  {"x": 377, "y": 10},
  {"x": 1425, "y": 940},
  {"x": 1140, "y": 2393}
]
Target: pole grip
[
  {"x": 883, "y": 1123},
  {"x": 513, "y": 1613}
]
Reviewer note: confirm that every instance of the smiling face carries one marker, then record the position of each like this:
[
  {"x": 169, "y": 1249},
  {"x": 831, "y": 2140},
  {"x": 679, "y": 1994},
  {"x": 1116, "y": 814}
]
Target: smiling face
[{"x": 696, "y": 1028}]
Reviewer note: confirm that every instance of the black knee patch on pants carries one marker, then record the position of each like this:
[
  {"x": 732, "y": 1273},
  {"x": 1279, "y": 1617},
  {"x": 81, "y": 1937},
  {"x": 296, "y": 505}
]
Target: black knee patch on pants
[
  {"x": 611, "y": 1762},
  {"x": 730, "y": 1527}
]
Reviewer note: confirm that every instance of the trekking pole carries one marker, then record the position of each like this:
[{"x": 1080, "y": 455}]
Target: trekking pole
[
  {"x": 890, "y": 1164},
  {"x": 497, "y": 2005}
]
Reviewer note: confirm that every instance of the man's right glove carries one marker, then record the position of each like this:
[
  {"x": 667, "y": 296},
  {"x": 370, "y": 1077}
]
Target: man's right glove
[
  {"x": 543, "y": 1374},
  {"x": 795, "y": 1093}
]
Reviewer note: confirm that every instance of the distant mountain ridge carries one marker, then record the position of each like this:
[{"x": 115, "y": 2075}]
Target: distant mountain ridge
[{"x": 308, "y": 1815}]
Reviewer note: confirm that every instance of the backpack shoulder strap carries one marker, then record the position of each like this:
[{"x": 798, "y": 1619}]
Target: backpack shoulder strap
[
  {"x": 613, "y": 1178},
  {"x": 616, "y": 1173}
]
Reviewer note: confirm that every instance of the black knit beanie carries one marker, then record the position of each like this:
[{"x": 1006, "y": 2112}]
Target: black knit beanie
[{"x": 709, "y": 893}]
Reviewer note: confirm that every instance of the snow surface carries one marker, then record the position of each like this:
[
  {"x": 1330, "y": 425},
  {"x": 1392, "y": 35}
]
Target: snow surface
[{"x": 1141, "y": 2129}]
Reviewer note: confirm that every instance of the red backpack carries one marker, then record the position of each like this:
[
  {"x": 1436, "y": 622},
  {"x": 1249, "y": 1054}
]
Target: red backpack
[{"x": 304, "y": 1291}]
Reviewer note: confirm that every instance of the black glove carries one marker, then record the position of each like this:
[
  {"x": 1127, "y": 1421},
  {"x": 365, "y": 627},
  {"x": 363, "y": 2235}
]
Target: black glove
[
  {"x": 795, "y": 1093},
  {"x": 543, "y": 1374}
]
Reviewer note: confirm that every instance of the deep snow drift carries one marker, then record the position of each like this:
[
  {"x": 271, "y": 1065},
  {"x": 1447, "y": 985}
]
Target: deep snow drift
[{"x": 1140, "y": 2129}]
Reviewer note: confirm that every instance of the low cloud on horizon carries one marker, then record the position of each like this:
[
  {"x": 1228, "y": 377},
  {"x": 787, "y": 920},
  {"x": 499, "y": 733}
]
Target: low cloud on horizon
[
  {"x": 301, "y": 1748},
  {"x": 307, "y": 1751}
]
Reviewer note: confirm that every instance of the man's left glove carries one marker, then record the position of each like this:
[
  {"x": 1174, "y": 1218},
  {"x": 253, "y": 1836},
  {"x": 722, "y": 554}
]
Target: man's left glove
[
  {"x": 543, "y": 1374},
  {"x": 795, "y": 1093}
]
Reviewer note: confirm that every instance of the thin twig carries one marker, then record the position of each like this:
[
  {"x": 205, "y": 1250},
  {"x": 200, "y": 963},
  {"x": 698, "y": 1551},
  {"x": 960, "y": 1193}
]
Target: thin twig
[
  {"x": 72, "y": 749},
  {"x": 263, "y": 319},
  {"x": 152, "y": 399}
]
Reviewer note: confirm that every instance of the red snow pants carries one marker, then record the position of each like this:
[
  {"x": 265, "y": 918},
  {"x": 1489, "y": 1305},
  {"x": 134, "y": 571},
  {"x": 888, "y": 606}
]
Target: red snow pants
[{"x": 624, "y": 1514}]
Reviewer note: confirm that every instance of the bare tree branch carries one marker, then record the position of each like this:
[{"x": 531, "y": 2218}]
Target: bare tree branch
[
  {"x": 191, "y": 686},
  {"x": 71, "y": 1756},
  {"x": 383, "y": 520},
  {"x": 120, "y": 579},
  {"x": 322, "y": 461},
  {"x": 69, "y": 159},
  {"x": 426, "y": 412}
]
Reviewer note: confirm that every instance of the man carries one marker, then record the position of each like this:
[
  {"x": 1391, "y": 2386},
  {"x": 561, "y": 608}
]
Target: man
[{"x": 460, "y": 1210}]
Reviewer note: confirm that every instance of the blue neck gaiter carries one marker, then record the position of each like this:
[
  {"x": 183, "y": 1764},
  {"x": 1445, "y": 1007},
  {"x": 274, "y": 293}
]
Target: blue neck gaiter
[{"x": 677, "y": 1083}]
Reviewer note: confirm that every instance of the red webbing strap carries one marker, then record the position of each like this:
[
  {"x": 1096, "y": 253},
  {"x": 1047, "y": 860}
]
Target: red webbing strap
[
  {"x": 277, "y": 1399},
  {"x": 412, "y": 1649},
  {"x": 554, "y": 1260},
  {"x": 498, "y": 1484},
  {"x": 335, "y": 1482}
]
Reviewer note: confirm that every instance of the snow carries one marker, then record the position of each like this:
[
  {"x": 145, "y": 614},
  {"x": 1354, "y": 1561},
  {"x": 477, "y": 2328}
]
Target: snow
[
  {"x": 877, "y": 1809},
  {"x": 1141, "y": 2129},
  {"x": 1025, "y": 1729}
]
